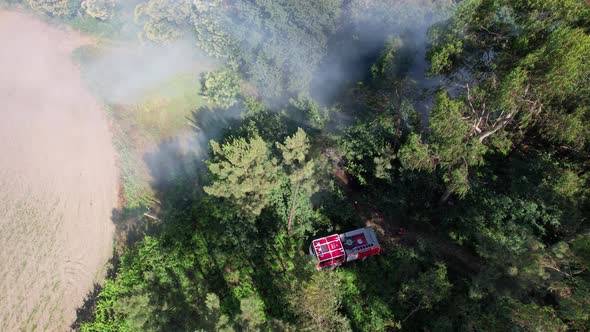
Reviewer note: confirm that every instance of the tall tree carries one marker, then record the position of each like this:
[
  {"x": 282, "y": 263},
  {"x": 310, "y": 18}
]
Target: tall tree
[
  {"x": 221, "y": 87},
  {"x": 278, "y": 44},
  {"x": 52, "y": 7},
  {"x": 100, "y": 9},
  {"x": 164, "y": 20},
  {"x": 510, "y": 69},
  {"x": 453, "y": 147},
  {"x": 300, "y": 168},
  {"x": 317, "y": 303},
  {"x": 518, "y": 62},
  {"x": 427, "y": 290},
  {"x": 243, "y": 172}
]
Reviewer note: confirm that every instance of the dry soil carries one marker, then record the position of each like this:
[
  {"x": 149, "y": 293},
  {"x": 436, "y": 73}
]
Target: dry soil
[{"x": 58, "y": 178}]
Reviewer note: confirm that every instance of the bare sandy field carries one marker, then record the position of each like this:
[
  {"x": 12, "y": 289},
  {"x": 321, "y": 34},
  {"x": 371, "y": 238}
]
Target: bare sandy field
[{"x": 58, "y": 178}]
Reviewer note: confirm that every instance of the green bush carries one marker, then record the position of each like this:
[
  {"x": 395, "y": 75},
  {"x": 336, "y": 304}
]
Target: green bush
[{"x": 221, "y": 87}]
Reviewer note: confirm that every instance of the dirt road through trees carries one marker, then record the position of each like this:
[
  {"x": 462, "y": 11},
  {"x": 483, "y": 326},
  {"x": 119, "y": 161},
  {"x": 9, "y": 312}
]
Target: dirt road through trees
[{"x": 58, "y": 178}]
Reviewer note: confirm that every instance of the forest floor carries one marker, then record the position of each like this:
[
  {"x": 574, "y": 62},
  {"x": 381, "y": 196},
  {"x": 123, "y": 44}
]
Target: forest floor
[
  {"x": 392, "y": 233},
  {"x": 58, "y": 178}
]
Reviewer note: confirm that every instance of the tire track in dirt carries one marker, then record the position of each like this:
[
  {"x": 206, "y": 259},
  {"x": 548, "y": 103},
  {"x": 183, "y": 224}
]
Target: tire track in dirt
[{"x": 58, "y": 178}]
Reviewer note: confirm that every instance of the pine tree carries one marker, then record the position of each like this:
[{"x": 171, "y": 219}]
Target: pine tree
[
  {"x": 299, "y": 167},
  {"x": 243, "y": 172}
]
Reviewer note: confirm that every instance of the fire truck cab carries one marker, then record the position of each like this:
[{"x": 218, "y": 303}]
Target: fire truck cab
[{"x": 333, "y": 250}]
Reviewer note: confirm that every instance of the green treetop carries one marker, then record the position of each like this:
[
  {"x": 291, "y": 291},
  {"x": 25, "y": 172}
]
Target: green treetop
[
  {"x": 222, "y": 87},
  {"x": 163, "y": 20},
  {"x": 295, "y": 153},
  {"x": 299, "y": 167},
  {"x": 51, "y": 7},
  {"x": 454, "y": 147},
  {"x": 100, "y": 9},
  {"x": 242, "y": 171},
  {"x": 317, "y": 304}
]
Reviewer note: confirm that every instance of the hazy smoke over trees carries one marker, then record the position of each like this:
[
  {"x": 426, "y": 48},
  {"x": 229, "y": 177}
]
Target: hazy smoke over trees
[
  {"x": 279, "y": 46},
  {"x": 122, "y": 74},
  {"x": 366, "y": 25},
  {"x": 314, "y": 107},
  {"x": 319, "y": 47}
]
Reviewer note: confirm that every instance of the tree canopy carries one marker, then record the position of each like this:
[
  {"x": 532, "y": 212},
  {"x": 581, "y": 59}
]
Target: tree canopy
[
  {"x": 243, "y": 172},
  {"x": 472, "y": 167}
]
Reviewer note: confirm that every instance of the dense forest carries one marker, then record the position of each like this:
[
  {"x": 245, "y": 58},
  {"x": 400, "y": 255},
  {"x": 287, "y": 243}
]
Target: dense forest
[{"x": 465, "y": 123}]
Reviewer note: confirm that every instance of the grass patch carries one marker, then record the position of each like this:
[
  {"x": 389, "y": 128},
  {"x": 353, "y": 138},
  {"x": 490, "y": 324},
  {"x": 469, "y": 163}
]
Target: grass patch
[
  {"x": 136, "y": 188},
  {"x": 116, "y": 28},
  {"x": 134, "y": 175},
  {"x": 163, "y": 112},
  {"x": 165, "y": 109},
  {"x": 91, "y": 26}
]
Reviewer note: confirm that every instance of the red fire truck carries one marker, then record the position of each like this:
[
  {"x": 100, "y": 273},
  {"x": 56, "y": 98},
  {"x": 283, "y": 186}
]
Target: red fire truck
[{"x": 333, "y": 250}]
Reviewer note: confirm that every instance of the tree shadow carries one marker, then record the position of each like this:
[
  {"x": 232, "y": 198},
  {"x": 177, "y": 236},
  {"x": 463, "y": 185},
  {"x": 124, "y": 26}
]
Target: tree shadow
[
  {"x": 274, "y": 267},
  {"x": 129, "y": 229},
  {"x": 212, "y": 122},
  {"x": 177, "y": 169},
  {"x": 131, "y": 225},
  {"x": 178, "y": 172},
  {"x": 183, "y": 157},
  {"x": 85, "y": 312}
]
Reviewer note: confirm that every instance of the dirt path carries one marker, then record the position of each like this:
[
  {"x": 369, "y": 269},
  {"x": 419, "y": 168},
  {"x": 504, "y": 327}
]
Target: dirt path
[{"x": 58, "y": 178}]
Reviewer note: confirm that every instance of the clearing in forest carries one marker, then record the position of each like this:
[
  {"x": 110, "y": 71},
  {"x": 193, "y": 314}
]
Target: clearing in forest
[
  {"x": 151, "y": 94},
  {"x": 58, "y": 178}
]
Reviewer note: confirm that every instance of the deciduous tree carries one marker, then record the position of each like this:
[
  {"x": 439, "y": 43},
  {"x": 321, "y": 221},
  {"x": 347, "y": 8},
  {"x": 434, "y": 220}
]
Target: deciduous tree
[
  {"x": 427, "y": 290},
  {"x": 317, "y": 303},
  {"x": 52, "y": 7},
  {"x": 221, "y": 87},
  {"x": 277, "y": 44},
  {"x": 164, "y": 20},
  {"x": 100, "y": 9}
]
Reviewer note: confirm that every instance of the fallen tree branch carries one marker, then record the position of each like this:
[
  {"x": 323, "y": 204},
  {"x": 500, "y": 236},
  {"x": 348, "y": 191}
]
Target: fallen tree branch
[{"x": 151, "y": 217}]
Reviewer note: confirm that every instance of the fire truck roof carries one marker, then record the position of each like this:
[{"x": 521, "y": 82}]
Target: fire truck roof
[
  {"x": 359, "y": 240},
  {"x": 328, "y": 247}
]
